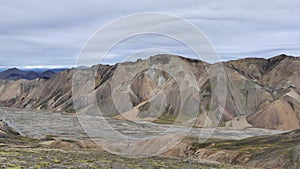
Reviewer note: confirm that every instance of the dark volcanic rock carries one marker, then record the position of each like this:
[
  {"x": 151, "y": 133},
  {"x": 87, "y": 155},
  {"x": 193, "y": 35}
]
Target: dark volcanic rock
[
  {"x": 6, "y": 129},
  {"x": 47, "y": 74}
]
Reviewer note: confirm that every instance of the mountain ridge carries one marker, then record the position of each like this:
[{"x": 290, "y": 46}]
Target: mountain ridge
[
  {"x": 257, "y": 89},
  {"x": 17, "y": 74}
]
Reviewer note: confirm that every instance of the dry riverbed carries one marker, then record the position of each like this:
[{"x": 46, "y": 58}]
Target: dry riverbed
[{"x": 56, "y": 140}]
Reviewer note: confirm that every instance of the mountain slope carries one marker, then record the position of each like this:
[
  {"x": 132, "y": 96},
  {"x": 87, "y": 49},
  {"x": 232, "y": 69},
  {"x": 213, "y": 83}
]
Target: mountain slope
[
  {"x": 262, "y": 90},
  {"x": 275, "y": 151}
]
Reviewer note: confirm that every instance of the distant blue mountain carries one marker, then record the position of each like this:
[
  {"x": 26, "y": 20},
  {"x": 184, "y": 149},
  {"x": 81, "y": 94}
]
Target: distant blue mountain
[
  {"x": 29, "y": 74},
  {"x": 40, "y": 70}
]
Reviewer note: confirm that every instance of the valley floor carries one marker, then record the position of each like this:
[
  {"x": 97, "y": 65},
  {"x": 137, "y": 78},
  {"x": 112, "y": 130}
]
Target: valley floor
[
  {"x": 17, "y": 152},
  {"x": 57, "y": 139},
  {"x": 40, "y": 124}
]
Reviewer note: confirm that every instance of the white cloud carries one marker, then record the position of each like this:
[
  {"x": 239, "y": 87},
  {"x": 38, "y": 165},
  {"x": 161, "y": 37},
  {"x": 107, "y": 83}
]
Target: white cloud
[{"x": 52, "y": 32}]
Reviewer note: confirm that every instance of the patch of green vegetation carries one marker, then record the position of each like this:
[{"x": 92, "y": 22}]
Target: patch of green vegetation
[
  {"x": 171, "y": 118},
  {"x": 56, "y": 160},
  {"x": 257, "y": 146},
  {"x": 43, "y": 164},
  {"x": 198, "y": 144},
  {"x": 8, "y": 153},
  {"x": 70, "y": 110},
  {"x": 15, "y": 167},
  {"x": 41, "y": 158},
  {"x": 29, "y": 140},
  {"x": 222, "y": 124},
  {"x": 164, "y": 121}
]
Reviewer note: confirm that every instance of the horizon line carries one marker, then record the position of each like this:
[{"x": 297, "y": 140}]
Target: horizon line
[{"x": 73, "y": 66}]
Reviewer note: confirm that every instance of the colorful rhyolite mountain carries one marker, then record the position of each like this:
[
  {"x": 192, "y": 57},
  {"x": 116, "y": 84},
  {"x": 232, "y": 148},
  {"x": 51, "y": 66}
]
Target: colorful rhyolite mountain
[{"x": 260, "y": 92}]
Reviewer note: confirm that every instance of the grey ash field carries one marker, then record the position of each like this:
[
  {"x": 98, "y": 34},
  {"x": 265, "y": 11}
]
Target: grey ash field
[
  {"x": 58, "y": 151},
  {"x": 258, "y": 129},
  {"x": 276, "y": 151}
]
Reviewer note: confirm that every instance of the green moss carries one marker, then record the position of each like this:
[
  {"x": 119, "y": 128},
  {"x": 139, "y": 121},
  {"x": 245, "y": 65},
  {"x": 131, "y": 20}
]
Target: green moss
[
  {"x": 42, "y": 158},
  {"x": 70, "y": 110},
  {"x": 43, "y": 164},
  {"x": 15, "y": 167},
  {"x": 27, "y": 139},
  {"x": 56, "y": 161},
  {"x": 9, "y": 153},
  {"x": 164, "y": 121}
]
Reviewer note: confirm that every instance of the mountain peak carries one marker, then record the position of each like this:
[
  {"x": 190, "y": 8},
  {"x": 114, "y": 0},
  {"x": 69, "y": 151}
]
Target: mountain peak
[
  {"x": 48, "y": 71},
  {"x": 280, "y": 57},
  {"x": 14, "y": 69}
]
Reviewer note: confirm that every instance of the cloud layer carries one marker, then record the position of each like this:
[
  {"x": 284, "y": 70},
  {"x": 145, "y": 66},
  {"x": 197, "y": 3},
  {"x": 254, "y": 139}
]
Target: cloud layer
[{"x": 52, "y": 32}]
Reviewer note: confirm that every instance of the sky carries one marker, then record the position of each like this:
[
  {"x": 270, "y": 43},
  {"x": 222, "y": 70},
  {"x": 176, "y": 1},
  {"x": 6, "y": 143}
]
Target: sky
[{"x": 52, "y": 33}]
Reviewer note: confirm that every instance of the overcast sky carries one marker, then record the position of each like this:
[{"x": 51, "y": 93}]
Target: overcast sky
[{"x": 51, "y": 33}]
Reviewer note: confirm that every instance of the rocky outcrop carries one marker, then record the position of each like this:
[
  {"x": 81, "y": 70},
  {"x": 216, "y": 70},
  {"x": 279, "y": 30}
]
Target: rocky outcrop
[
  {"x": 262, "y": 92},
  {"x": 7, "y": 130}
]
